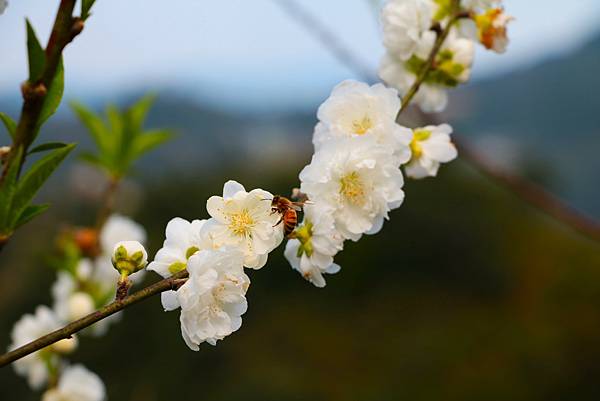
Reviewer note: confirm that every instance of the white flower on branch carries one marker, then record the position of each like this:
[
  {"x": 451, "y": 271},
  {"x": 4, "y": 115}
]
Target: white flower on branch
[
  {"x": 403, "y": 23},
  {"x": 183, "y": 239},
  {"x": 452, "y": 67},
  {"x": 69, "y": 303},
  {"x": 431, "y": 146},
  {"x": 244, "y": 220},
  {"x": 317, "y": 242},
  {"x": 213, "y": 298},
  {"x": 30, "y": 327},
  {"x": 77, "y": 383},
  {"x": 355, "y": 109},
  {"x": 358, "y": 179}
]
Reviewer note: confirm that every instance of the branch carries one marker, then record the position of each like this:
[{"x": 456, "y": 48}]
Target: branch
[
  {"x": 429, "y": 63},
  {"x": 65, "y": 29},
  {"x": 325, "y": 36},
  {"x": 530, "y": 192},
  {"x": 171, "y": 283}
]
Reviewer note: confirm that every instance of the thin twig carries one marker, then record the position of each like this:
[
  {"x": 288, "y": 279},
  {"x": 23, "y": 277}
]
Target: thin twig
[
  {"x": 429, "y": 63},
  {"x": 295, "y": 11},
  {"x": 171, "y": 283}
]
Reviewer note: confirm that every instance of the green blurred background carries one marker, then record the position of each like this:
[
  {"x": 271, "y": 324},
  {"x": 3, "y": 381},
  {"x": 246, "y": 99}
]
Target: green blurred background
[{"x": 468, "y": 293}]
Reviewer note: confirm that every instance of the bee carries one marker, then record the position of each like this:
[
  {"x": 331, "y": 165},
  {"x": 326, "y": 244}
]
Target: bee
[{"x": 288, "y": 211}]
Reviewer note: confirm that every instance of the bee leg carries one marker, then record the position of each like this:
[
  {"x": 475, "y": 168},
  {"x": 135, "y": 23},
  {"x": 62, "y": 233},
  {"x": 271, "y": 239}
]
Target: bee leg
[{"x": 279, "y": 222}]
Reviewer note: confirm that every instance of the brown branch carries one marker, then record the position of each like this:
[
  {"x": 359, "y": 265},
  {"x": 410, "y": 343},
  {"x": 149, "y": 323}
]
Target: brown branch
[
  {"x": 530, "y": 192},
  {"x": 429, "y": 63},
  {"x": 171, "y": 283},
  {"x": 65, "y": 28}
]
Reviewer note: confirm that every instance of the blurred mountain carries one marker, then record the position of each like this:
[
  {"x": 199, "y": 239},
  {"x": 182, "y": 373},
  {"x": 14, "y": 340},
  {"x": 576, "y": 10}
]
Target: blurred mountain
[{"x": 551, "y": 111}]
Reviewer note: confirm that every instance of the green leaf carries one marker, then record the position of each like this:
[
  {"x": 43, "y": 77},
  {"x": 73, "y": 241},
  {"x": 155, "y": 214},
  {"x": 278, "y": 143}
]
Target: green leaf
[
  {"x": 29, "y": 213},
  {"x": 36, "y": 55},
  {"x": 86, "y": 5},
  {"x": 47, "y": 146},
  {"x": 54, "y": 95},
  {"x": 10, "y": 124},
  {"x": 32, "y": 181},
  {"x": 139, "y": 111},
  {"x": 7, "y": 191},
  {"x": 149, "y": 141},
  {"x": 96, "y": 127}
]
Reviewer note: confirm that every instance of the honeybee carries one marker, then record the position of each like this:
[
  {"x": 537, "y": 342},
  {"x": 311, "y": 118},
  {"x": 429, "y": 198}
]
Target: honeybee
[{"x": 288, "y": 211}]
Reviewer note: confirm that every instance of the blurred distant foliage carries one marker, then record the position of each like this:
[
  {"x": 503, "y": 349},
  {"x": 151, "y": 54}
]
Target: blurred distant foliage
[{"x": 120, "y": 138}]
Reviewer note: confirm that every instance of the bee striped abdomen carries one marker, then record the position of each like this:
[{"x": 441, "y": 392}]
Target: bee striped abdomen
[{"x": 290, "y": 221}]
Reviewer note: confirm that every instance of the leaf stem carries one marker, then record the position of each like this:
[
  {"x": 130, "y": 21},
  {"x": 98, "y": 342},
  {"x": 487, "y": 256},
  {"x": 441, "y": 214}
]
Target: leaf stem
[{"x": 171, "y": 283}]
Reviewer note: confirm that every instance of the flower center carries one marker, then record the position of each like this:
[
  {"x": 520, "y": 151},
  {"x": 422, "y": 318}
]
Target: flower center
[
  {"x": 241, "y": 223},
  {"x": 360, "y": 127},
  {"x": 352, "y": 188},
  {"x": 415, "y": 146}
]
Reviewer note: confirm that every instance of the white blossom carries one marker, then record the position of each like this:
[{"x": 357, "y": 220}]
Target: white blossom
[
  {"x": 355, "y": 109},
  {"x": 120, "y": 228},
  {"x": 317, "y": 241},
  {"x": 183, "y": 239},
  {"x": 213, "y": 298},
  {"x": 69, "y": 303},
  {"x": 453, "y": 66},
  {"x": 76, "y": 383},
  {"x": 358, "y": 180},
  {"x": 244, "y": 220},
  {"x": 403, "y": 22},
  {"x": 431, "y": 146},
  {"x": 27, "y": 329}
]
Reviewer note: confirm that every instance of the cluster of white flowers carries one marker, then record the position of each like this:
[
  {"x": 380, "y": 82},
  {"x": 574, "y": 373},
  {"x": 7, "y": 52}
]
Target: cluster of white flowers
[
  {"x": 410, "y": 29},
  {"x": 241, "y": 232},
  {"x": 78, "y": 291}
]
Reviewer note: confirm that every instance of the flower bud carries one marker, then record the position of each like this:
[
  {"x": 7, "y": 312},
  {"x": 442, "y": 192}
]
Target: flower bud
[
  {"x": 65, "y": 346},
  {"x": 129, "y": 257},
  {"x": 80, "y": 304}
]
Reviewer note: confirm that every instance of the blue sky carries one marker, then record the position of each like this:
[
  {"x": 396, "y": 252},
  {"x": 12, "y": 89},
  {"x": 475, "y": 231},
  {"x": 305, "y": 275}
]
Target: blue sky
[{"x": 248, "y": 52}]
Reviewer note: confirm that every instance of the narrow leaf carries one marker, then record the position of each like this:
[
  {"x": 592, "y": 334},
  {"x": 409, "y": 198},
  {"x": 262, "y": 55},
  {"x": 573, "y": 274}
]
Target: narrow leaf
[
  {"x": 96, "y": 127},
  {"x": 7, "y": 191},
  {"x": 29, "y": 213},
  {"x": 35, "y": 53},
  {"x": 55, "y": 93},
  {"x": 139, "y": 111},
  {"x": 47, "y": 146},
  {"x": 10, "y": 124},
  {"x": 95, "y": 161},
  {"x": 149, "y": 141},
  {"x": 86, "y": 6},
  {"x": 32, "y": 181}
]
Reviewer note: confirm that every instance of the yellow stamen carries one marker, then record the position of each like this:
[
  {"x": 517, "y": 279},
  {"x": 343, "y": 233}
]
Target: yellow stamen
[
  {"x": 352, "y": 188},
  {"x": 415, "y": 146},
  {"x": 241, "y": 223},
  {"x": 360, "y": 127}
]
